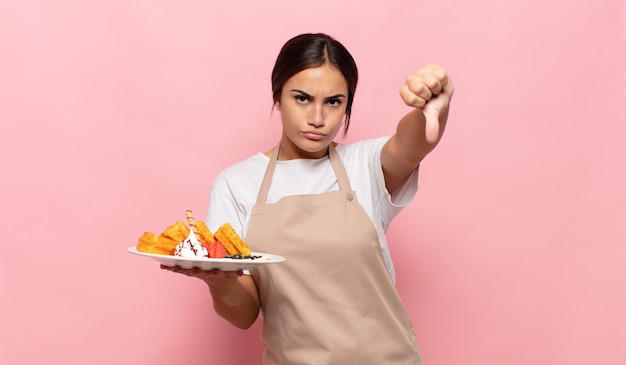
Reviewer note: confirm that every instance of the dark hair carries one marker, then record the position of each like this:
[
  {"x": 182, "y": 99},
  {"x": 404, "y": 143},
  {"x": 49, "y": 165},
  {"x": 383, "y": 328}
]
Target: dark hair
[{"x": 311, "y": 50}]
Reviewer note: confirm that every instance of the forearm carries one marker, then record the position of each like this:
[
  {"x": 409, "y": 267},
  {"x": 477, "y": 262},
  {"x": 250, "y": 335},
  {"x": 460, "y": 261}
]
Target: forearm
[
  {"x": 236, "y": 302},
  {"x": 411, "y": 144},
  {"x": 406, "y": 149}
]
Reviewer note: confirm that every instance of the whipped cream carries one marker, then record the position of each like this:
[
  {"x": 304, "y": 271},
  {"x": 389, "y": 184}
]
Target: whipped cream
[{"x": 191, "y": 248}]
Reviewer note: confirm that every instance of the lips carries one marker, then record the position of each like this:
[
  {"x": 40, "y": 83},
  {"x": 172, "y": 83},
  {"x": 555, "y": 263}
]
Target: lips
[{"x": 313, "y": 135}]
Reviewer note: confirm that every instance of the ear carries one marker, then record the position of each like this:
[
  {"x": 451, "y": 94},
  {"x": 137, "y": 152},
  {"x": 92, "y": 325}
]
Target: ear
[{"x": 277, "y": 105}]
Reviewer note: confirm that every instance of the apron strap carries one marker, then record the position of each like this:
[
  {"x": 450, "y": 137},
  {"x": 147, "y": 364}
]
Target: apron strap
[
  {"x": 335, "y": 161},
  {"x": 261, "y": 198},
  {"x": 340, "y": 170}
]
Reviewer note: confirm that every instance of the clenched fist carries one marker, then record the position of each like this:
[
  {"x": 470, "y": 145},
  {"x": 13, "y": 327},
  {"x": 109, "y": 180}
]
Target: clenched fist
[{"x": 429, "y": 89}]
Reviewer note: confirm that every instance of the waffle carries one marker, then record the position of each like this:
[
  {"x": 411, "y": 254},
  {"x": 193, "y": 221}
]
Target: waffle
[{"x": 231, "y": 241}]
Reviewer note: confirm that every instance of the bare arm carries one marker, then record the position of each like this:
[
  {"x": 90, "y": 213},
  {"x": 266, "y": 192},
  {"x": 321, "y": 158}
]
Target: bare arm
[
  {"x": 429, "y": 92},
  {"x": 235, "y": 296},
  {"x": 236, "y": 302}
]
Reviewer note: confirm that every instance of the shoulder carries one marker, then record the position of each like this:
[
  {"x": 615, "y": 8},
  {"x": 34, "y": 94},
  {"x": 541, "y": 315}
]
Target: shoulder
[
  {"x": 362, "y": 162},
  {"x": 234, "y": 192},
  {"x": 364, "y": 146},
  {"x": 245, "y": 170},
  {"x": 240, "y": 181},
  {"x": 365, "y": 152}
]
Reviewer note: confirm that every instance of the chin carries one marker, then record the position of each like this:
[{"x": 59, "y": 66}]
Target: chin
[
  {"x": 314, "y": 146},
  {"x": 312, "y": 149}
]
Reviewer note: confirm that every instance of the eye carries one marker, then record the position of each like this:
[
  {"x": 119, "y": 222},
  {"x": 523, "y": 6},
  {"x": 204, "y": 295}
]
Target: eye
[
  {"x": 301, "y": 98},
  {"x": 334, "y": 102}
]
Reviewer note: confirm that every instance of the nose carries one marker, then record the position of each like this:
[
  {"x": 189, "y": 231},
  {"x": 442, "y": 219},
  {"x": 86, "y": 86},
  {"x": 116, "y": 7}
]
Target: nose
[{"x": 316, "y": 118}]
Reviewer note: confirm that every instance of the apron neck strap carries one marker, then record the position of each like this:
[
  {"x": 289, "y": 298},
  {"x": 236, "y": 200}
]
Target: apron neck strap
[
  {"x": 339, "y": 168},
  {"x": 335, "y": 161}
]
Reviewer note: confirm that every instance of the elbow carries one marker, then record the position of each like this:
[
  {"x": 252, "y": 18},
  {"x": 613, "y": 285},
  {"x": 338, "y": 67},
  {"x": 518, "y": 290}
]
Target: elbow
[
  {"x": 242, "y": 318},
  {"x": 244, "y": 322},
  {"x": 244, "y": 325}
]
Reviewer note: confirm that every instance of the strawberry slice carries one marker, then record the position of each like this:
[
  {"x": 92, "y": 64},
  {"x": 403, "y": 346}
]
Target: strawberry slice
[{"x": 217, "y": 250}]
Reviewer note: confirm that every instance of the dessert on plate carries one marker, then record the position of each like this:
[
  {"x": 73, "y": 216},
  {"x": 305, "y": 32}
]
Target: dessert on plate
[{"x": 195, "y": 241}]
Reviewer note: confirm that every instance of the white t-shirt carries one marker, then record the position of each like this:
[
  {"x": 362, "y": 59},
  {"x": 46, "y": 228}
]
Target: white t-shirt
[{"x": 235, "y": 189}]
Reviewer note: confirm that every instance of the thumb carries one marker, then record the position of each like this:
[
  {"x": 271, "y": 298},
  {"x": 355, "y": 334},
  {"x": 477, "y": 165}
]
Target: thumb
[{"x": 431, "y": 132}]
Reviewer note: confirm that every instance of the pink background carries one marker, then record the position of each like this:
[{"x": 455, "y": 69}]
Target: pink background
[{"x": 117, "y": 115}]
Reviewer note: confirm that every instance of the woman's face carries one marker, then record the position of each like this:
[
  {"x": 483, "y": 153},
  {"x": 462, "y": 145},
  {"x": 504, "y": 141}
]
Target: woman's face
[{"x": 312, "y": 108}]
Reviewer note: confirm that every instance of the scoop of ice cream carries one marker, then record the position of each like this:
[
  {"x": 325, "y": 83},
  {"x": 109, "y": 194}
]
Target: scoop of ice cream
[{"x": 191, "y": 248}]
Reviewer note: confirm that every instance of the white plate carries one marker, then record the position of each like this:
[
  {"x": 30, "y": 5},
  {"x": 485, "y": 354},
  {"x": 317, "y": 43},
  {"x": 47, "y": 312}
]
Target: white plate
[{"x": 209, "y": 264}]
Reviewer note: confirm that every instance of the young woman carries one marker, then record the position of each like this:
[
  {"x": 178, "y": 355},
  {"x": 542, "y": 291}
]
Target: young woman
[{"x": 325, "y": 207}]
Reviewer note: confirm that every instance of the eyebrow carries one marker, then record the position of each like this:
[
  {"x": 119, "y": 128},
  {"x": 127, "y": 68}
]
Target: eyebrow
[{"x": 304, "y": 93}]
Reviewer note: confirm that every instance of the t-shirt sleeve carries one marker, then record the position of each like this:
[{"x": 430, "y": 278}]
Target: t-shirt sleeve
[
  {"x": 390, "y": 205},
  {"x": 223, "y": 209},
  {"x": 233, "y": 194}
]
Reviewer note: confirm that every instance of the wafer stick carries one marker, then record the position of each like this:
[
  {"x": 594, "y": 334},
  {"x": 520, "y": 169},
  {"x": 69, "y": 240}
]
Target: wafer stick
[{"x": 192, "y": 224}]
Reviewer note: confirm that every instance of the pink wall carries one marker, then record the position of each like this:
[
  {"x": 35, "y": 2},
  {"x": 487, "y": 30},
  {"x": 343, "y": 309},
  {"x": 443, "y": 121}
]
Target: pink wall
[{"x": 117, "y": 115}]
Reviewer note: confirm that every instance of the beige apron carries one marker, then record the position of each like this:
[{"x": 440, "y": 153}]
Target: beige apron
[{"x": 332, "y": 301}]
